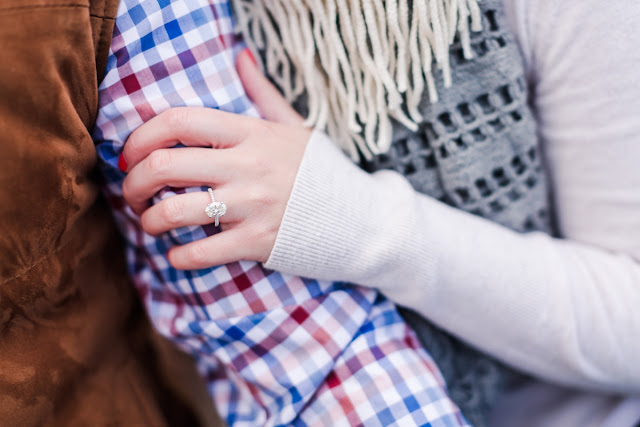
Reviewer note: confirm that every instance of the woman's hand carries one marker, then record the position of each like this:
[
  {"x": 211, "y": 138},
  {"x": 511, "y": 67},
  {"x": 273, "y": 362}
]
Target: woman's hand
[{"x": 251, "y": 164}]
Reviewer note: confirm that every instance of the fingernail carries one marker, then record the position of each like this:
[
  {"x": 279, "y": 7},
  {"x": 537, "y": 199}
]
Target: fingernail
[
  {"x": 251, "y": 57},
  {"x": 122, "y": 163}
]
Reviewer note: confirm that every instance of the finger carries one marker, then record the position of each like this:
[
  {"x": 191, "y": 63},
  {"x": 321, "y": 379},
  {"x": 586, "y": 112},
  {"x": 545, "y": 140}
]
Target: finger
[
  {"x": 267, "y": 98},
  {"x": 191, "y": 126},
  {"x": 222, "y": 248},
  {"x": 177, "y": 167},
  {"x": 188, "y": 209}
]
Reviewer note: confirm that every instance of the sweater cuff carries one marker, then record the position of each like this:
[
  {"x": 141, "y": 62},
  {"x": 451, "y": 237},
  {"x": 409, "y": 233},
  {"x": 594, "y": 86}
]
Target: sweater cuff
[
  {"x": 331, "y": 229},
  {"x": 316, "y": 227}
]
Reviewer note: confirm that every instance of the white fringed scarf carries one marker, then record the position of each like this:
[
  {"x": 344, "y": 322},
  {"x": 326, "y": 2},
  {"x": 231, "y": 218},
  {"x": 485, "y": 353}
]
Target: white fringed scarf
[{"x": 360, "y": 62}]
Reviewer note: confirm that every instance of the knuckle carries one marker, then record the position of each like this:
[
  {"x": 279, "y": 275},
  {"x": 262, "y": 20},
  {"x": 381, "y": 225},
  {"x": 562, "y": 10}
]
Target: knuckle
[
  {"x": 256, "y": 163},
  {"x": 261, "y": 197},
  {"x": 263, "y": 130},
  {"x": 172, "y": 211},
  {"x": 262, "y": 127},
  {"x": 178, "y": 118},
  {"x": 269, "y": 198},
  {"x": 197, "y": 255},
  {"x": 159, "y": 161},
  {"x": 258, "y": 234},
  {"x": 255, "y": 197}
]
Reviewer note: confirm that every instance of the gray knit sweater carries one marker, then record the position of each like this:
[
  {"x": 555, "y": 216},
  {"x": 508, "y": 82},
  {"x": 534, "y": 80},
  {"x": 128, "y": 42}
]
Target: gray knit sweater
[{"x": 476, "y": 150}]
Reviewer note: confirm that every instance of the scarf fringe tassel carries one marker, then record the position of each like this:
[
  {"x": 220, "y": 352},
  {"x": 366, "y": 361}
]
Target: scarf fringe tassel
[{"x": 361, "y": 62}]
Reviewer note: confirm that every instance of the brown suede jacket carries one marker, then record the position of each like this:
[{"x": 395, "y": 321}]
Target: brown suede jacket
[{"x": 75, "y": 347}]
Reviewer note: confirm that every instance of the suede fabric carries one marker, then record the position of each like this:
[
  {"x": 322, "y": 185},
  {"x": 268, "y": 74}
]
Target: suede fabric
[{"x": 75, "y": 347}]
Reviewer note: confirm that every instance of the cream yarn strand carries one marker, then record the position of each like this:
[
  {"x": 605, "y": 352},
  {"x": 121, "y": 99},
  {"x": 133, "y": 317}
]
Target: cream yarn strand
[{"x": 360, "y": 62}]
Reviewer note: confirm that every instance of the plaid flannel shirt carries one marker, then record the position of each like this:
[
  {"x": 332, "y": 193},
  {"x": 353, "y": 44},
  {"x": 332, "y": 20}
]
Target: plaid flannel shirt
[{"x": 275, "y": 349}]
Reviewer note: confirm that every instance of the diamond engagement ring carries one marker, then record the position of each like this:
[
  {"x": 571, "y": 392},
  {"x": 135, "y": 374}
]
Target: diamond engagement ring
[{"x": 215, "y": 209}]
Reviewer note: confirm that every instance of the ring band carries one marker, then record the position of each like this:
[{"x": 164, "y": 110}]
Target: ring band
[{"x": 215, "y": 209}]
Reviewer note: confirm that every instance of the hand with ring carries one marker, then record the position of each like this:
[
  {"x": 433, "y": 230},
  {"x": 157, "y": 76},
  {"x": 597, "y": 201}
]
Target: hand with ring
[{"x": 249, "y": 163}]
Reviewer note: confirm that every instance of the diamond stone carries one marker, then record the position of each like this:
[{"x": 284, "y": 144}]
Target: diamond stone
[{"x": 215, "y": 209}]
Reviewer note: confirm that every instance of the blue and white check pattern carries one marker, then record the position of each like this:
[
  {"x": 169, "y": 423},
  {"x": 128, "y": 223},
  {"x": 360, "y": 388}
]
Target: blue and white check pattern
[{"x": 274, "y": 349}]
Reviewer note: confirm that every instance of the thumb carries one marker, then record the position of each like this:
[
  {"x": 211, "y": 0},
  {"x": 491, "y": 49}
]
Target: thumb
[{"x": 267, "y": 98}]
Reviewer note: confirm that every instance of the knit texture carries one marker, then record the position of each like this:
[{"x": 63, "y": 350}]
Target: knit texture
[{"x": 476, "y": 149}]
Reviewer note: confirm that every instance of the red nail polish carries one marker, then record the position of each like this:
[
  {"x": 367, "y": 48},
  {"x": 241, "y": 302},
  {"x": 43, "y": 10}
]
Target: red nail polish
[
  {"x": 122, "y": 163},
  {"x": 251, "y": 57}
]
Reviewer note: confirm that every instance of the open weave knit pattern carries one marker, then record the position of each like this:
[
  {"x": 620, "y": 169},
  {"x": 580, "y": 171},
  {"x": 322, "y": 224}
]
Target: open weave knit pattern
[{"x": 463, "y": 133}]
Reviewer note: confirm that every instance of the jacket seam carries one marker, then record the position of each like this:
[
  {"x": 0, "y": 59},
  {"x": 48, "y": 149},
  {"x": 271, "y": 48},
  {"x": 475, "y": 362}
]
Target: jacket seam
[
  {"x": 102, "y": 17},
  {"x": 35, "y": 264},
  {"x": 100, "y": 73}
]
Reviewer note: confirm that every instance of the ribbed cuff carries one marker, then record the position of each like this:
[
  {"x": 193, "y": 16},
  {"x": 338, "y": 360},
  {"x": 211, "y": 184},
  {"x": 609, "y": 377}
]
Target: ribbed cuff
[
  {"x": 344, "y": 224},
  {"x": 320, "y": 221}
]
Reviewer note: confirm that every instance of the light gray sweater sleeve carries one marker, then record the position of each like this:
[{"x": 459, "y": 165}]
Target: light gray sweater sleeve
[{"x": 565, "y": 310}]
